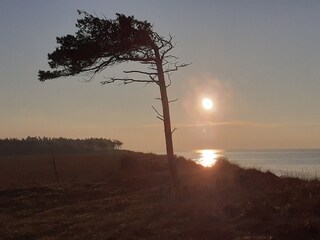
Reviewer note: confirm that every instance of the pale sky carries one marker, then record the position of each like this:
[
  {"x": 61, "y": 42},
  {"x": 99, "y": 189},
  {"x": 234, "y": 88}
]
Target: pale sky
[{"x": 258, "y": 61}]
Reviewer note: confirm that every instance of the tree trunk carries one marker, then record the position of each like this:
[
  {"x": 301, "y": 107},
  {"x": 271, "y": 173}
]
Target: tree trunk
[{"x": 167, "y": 122}]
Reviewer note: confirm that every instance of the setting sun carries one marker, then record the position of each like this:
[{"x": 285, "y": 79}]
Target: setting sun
[{"x": 207, "y": 103}]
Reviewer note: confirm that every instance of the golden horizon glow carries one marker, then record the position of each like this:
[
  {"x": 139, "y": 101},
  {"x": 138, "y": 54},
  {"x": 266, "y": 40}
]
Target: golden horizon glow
[{"x": 207, "y": 103}]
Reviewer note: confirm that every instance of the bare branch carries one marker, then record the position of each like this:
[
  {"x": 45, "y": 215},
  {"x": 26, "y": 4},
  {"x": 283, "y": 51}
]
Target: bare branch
[
  {"x": 126, "y": 80},
  {"x": 89, "y": 76},
  {"x": 100, "y": 67},
  {"x": 162, "y": 119},
  {"x": 170, "y": 47},
  {"x": 141, "y": 72},
  {"x": 165, "y": 62},
  {"x": 174, "y": 100},
  {"x": 153, "y": 79},
  {"x": 152, "y": 68},
  {"x": 148, "y": 63},
  {"x": 174, "y": 130},
  {"x": 171, "y": 56},
  {"x": 176, "y": 67},
  {"x": 159, "y": 114},
  {"x": 169, "y": 78},
  {"x": 164, "y": 45},
  {"x": 136, "y": 59}
]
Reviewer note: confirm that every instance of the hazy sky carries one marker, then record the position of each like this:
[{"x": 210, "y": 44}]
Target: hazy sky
[{"x": 258, "y": 60}]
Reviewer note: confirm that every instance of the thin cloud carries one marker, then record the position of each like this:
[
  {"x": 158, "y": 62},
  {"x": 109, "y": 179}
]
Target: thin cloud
[
  {"x": 206, "y": 124},
  {"x": 226, "y": 123},
  {"x": 183, "y": 125},
  {"x": 137, "y": 126},
  {"x": 247, "y": 124}
]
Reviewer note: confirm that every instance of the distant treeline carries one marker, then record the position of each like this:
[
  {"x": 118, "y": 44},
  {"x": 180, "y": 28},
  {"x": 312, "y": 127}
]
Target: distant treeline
[{"x": 37, "y": 145}]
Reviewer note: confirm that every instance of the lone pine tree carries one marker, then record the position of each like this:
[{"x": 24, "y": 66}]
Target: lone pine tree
[{"x": 100, "y": 43}]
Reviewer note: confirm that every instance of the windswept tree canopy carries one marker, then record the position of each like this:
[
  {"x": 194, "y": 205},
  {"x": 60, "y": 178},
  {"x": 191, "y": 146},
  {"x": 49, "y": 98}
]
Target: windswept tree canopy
[{"x": 100, "y": 43}]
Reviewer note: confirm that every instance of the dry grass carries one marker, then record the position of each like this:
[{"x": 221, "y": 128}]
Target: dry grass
[
  {"x": 132, "y": 200},
  {"x": 35, "y": 170}
]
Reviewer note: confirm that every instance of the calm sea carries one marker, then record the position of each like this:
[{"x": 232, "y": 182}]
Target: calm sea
[{"x": 303, "y": 163}]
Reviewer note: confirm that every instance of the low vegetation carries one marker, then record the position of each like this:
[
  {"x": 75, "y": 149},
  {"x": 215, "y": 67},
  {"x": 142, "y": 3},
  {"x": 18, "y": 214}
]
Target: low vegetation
[{"x": 128, "y": 197}]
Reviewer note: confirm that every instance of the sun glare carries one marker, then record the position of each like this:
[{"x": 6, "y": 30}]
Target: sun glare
[
  {"x": 207, "y": 103},
  {"x": 208, "y": 157}
]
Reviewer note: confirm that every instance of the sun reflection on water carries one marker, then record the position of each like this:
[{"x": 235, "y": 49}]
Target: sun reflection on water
[{"x": 208, "y": 157}]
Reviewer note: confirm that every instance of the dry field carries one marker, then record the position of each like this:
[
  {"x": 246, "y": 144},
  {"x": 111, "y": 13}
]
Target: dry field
[
  {"x": 38, "y": 170},
  {"x": 121, "y": 196}
]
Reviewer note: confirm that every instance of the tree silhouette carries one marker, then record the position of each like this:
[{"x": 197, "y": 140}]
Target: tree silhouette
[
  {"x": 100, "y": 43},
  {"x": 37, "y": 145},
  {"x": 118, "y": 144}
]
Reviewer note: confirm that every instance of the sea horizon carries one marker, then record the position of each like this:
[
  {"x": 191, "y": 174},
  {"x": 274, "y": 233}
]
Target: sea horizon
[{"x": 293, "y": 162}]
